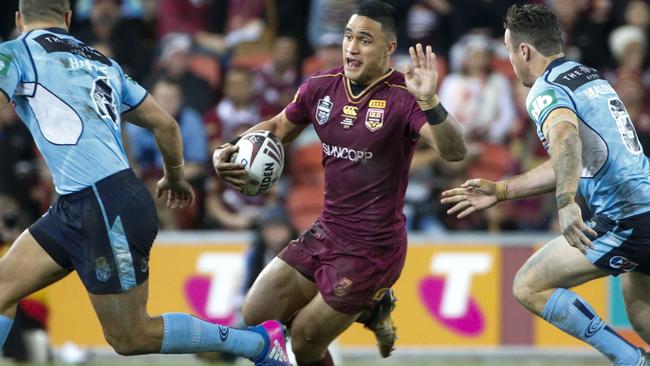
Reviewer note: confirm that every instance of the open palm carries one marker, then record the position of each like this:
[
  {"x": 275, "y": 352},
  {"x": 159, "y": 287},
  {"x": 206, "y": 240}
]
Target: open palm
[
  {"x": 421, "y": 75},
  {"x": 471, "y": 196}
]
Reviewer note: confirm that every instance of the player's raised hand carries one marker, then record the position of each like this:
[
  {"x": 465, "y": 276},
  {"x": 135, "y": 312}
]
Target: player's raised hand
[
  {"x": 471, "y": 196},
  {"x": 421, "y": 75},
  {"x": 179, "y": 192},
  {"x": 574, "y": 230},
  {"x": 230, "y": 172}
]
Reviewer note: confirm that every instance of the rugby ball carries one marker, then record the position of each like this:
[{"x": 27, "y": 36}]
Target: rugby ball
[{"x": 262, "y": 156}]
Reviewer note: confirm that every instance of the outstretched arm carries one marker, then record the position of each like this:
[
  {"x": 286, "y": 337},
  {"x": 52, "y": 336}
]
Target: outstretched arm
[
  {"x": 479, "y": 194},
  {"x": 443, "y": 132},
  {"x": 151, "y": 116}
]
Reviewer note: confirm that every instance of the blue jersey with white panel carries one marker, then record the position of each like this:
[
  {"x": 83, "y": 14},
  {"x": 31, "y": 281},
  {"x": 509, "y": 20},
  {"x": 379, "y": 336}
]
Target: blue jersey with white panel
[
  {"x": 71, "y": 98},
  {"x": 615, "y": 172}
]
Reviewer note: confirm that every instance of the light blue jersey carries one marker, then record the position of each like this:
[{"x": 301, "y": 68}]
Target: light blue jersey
[
  {"x": 615, "y": 172},
  {"x": 71, "y": 98}
]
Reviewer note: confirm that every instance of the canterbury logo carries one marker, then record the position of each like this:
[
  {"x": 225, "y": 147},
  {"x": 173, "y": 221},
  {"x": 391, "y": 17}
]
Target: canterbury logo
[
  {"x": 595, "y": 325},
  {"x": 223, "y": 333},
  {"x": 350, "y": 110},
  {"x": 277, "y": 353}
]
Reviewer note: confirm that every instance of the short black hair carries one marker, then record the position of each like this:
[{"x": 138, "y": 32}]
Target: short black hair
[
  {"x": 534, "y": 24},
  {"x": 381, "y": 12},
  {"x": 43, "y": 10}
]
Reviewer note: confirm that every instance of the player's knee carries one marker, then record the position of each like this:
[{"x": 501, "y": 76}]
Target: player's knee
[
  {"x": 307, "y": 349},
  {"x": 521, "y": 290},
  {"x": 638, "y": 319},
  {"x": 250, "y": 316}
]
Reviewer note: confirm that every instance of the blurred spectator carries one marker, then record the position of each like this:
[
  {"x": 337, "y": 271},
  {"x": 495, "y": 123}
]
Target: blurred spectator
[
  {"x": 229, "y": 23},
  {"x": 148, "y": 161},
  {"x": 531, "y": 213},
  {"x": 174, "y": 63},
  {"x": 238, "y": 110},
  {"x": 329, "y": 54},
  {"x": 630, "y": 88},
  {"x": 273, "y": 232},
  {"x": 291, "y": 20},
  {"x": 328, "y": 16},
  {"x": 28, "y": 340},
  {"x": 306, "y": 189},
  {"x": 123, "y": 35},
  {"x": 19, "y": 166},
  {"x": 425, "y": 22},
  {"x": 181, "y": 16},
  {"x": 585, "y": 24},
  {"x": 479, "y": 98},
  {"x": 466, "y": 15},
  {"x": 632, "y": 12},
  {"x": 129, "y": 8},
  {"x": 277, "y": 81},
  {"x": 628, "y": 44},
  {"x": 228, "y": 209}
]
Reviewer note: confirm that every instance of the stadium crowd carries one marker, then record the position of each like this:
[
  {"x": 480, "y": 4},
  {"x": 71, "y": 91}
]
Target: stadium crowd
[{"x": 220, "y": 66}]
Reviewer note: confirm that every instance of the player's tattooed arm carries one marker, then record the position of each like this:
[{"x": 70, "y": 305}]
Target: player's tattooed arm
[
  {"x": 536, "y": 181},
  {"x": 442, "y": 133},
  {"x": 479, "y": 194},
  {"x": 561, "y": 131}
]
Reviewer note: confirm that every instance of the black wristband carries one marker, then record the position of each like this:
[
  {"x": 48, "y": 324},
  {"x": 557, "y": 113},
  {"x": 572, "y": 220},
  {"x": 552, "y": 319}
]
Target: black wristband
[{"x": 436, "y": 115}]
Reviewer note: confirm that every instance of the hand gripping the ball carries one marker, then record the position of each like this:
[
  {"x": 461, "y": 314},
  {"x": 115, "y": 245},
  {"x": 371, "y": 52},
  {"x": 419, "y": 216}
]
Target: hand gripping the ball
[{"x": 232, "y": 173}]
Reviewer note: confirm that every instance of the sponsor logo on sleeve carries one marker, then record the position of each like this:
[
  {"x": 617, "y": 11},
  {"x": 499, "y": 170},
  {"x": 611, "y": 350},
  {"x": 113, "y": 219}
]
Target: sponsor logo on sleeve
[
  {"x": 5, "y": 62},
  {"x": 323, "y": 110},
  {"x": 541, "y": 103}
]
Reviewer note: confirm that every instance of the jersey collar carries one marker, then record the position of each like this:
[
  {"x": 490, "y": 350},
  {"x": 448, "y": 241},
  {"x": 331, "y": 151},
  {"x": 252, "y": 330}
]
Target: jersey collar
[
  {"x": 56, "y": 30},
  {"x": 556, "y": 62}
]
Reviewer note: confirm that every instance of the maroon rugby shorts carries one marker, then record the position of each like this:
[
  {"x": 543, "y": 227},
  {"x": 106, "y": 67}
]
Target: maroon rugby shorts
[{"x": 350, "y": 277}]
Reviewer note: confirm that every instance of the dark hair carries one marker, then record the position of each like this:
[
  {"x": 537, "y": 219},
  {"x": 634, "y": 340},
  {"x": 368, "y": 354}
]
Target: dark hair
[
  {"x": 381, "y": 12},
  {"x": 534, "y": 24},
  {"x": 43, "y": 10}
]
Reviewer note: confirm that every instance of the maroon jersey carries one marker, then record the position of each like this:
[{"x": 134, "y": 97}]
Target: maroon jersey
[{"x": 368, "y": 142}]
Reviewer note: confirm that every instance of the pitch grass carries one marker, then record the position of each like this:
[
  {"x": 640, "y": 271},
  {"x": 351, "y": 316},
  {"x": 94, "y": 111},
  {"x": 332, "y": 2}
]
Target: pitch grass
[{"x": 432, "y": 363}]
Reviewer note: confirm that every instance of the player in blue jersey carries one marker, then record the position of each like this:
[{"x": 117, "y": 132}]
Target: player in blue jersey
[
  {"x": 73, "y": 100},
  {"x": 593, "y": 151}
]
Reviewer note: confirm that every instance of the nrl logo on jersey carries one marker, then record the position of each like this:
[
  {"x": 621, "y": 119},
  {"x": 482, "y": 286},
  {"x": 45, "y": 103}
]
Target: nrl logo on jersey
[{"x": 323, "y": 110}]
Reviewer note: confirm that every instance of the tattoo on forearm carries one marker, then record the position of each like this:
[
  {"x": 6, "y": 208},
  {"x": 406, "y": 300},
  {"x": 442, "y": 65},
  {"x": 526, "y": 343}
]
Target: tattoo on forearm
[
  {"x": 563, "y": 199},
  {"x": 567, "y": 163}
]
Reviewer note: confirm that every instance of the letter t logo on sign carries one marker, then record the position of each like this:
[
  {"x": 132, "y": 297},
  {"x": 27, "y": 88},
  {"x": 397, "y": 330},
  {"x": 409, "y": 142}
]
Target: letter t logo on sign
[{"x": 458, "y": 268}]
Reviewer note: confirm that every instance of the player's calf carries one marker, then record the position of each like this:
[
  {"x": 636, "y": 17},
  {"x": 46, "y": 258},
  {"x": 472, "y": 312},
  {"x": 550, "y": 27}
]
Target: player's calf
[{"x": 137, "y": 340}]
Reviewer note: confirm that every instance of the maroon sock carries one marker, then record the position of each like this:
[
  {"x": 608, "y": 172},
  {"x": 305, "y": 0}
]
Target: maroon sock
[{"x": 326, "y": 361}]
